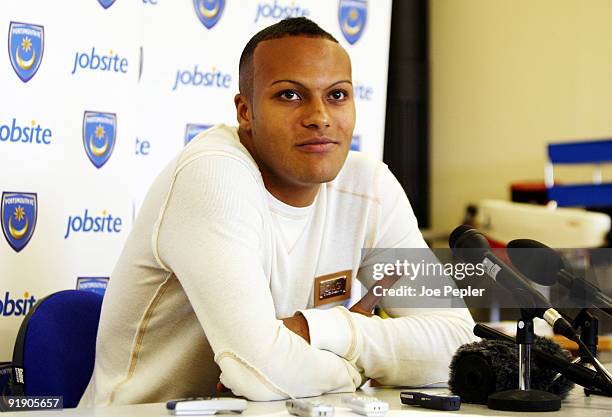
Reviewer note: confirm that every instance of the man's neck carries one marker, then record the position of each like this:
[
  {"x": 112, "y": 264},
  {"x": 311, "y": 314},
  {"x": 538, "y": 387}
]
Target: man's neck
[{"x": 296, "y": 196}]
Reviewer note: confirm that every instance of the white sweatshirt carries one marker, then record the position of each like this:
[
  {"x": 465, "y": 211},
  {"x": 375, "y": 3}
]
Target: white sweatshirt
[{"x": 214, "y": 262}]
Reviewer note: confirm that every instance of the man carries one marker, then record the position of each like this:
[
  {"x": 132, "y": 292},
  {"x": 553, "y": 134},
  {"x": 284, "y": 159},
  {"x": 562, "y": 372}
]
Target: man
[{"x": 252, "y": 224}]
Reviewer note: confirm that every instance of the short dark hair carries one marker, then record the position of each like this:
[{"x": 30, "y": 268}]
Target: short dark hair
[{"x": 294, "y": 26}]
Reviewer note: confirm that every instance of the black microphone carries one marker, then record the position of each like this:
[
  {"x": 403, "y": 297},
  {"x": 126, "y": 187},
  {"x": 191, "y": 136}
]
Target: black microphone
[
  {"x": 546, "y": 267},
  {"x": 482, "y": 368},
  {"x": 472, "y": 246}
]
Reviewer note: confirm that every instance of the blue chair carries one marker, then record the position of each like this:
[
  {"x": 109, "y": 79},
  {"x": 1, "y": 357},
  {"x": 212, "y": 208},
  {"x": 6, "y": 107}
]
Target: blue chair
[
  {"x": 56, "y": 345},
  {"x": 595, "y": 195}
]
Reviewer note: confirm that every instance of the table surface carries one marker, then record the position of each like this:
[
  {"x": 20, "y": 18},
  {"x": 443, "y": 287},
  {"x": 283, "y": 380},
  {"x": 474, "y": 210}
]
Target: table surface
[{"x": 576, "y": 405}]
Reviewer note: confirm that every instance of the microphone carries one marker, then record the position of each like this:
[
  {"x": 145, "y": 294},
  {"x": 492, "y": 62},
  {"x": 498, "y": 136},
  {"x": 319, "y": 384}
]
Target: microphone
[
  {"x": 546, "y": 267},
  {"x": 472, "y": 246},
  {"x": 476, "y": 371},
  {"x": 482, "y": 368},
  {"x": 576, "y": 373}
]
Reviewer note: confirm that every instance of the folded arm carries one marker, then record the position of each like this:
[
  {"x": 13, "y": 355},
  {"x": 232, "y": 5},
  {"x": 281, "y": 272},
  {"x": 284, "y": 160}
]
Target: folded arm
[{"x": 415, "y": 347}]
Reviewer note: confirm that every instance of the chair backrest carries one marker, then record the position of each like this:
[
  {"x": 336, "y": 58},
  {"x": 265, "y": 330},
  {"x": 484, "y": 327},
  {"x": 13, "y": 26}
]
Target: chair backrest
[
  {"x": 597, "y": 194},
  {"x": 56, "y": 346}
]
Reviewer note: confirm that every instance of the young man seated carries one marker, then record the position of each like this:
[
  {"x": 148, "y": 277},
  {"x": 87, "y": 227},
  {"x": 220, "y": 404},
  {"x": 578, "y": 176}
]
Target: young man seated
[{"x": 244, "y": 228}]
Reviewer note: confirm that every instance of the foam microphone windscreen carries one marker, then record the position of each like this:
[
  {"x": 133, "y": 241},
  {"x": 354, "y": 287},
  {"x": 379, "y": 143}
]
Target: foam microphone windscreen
[{"x": 482, "y": 368}]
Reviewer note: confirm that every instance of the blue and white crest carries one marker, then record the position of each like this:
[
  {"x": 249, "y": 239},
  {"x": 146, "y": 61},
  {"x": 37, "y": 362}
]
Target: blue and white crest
[
  {"x": 106, "y": 3},
  {"x": 99, "y": 134},
  {"x": 93, "y": 284},
  {"x": 192, "y": 130},
  {"x": 353, "y": 15},
  {"x": 26, "y": 44},
  {"x": 19, "y": 214},
  {"x": 356, "y": 143},
  {"x": 209, "y": 11}
]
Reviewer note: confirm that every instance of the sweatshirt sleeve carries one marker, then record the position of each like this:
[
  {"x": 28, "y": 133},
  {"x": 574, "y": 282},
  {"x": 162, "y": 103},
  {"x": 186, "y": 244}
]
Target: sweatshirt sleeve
[
  {"x": 211, "y": 236},
  {"x": 415, "y": 346}
]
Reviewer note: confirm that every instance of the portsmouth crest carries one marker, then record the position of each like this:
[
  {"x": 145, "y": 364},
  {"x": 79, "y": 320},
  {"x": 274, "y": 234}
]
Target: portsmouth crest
[
  {"x": 19, "y": 214},
  {"x": 192, "y": 130},
  {"x": 106, "y": 3},
  {"x": 26, "y": 44},
  {"x": 353, "y": 16},
  {"x": 99, "y": 136},
  {"x": 356, "y": 143},
  {"x": 93, "y": 284},
  {"x": 209, "y": 11}
]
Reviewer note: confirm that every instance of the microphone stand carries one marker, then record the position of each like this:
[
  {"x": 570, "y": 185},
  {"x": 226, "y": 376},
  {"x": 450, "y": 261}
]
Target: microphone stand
[
  {"x": 524, "y": 398},
  {"x": 589, "y": 329}
]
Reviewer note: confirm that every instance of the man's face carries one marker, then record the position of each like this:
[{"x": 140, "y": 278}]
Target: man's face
[{"x": 301, "y": 114}]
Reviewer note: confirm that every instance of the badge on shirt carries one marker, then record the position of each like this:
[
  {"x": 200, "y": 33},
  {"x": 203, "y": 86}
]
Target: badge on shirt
[{"x": 332, "y": 287}]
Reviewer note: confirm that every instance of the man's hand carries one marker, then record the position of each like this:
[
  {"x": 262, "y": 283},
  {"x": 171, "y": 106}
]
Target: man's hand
[
  {"x": 298, "y": 324},
  {"x": 369, "y": 301}
]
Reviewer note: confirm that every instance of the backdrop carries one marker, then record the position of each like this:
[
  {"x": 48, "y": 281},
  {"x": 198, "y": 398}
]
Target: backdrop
[{"x": 96, "y": 96}]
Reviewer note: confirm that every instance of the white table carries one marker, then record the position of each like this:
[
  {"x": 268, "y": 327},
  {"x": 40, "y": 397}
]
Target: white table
[{"x": 576, "y": 405}]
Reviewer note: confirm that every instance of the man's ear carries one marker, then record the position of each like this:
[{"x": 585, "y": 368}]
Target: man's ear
[{"x": 243, "y": 112}]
